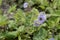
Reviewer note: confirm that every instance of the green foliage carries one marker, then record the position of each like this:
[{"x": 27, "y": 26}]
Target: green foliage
[
  {"x": 19, "y": 16},
  {"x": 11, "y": 34},
  {"x": 12, "y": 24},
  {"x": 0, "y": 2},
  {"x": 12, "y": 8},
  {"x": 20, "y": 29},
  {"x": 21, "y": 25},
  {"x": 3, "y": 20},
  {"x": 57, "y": 37},
  {"x": 0, "y": 11},
  {"x": 40, "y": 35}
]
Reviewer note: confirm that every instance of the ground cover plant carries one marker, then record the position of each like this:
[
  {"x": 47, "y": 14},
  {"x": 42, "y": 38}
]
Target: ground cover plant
[{"x": 29, "y": 19}]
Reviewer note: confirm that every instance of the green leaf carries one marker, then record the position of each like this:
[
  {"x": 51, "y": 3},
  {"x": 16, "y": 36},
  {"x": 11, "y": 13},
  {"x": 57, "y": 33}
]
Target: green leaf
[
  {"x": 57, "y": 12},
  {"x": 12, "y": 24},
  {"x": 57, "y": 22},
  {"x": 56, "y": 4},
  {"x": 19, "y": 16},
  {"x": 41, "y": 6},
  {"x": 44, "y": 2},
  {"x": 21, "y": 29},
  {"x": 40, "y": 35},
  {"x": 3, "y": 20},
  {"x": 0, "y": 11},
  {"x": 57, "y": 37},
  {"x": 2, "y": 36},
  {"x": 19, "y": 38},
  {"x": 52, "y": 21},
  {"x": 29, "y": 30},
  {"x": 0, "y": 2},
  {"x": 31, "y": 3},
  {"x": 50, "y": 10},
  {"x": 12, "y": 8},
  {"x": 36, "y": 1},
  {"x": 12, "y": 34},
  {"x": 34, "y": 14}
]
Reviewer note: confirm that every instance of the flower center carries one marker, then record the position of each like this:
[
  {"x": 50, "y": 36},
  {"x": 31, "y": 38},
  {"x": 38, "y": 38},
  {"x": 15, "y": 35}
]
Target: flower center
[{"x": 40, "y": 19}]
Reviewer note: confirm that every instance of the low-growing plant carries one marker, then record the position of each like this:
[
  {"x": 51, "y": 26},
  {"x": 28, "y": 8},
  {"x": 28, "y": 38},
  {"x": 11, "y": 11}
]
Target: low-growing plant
[{"x": 30, "y": 20}]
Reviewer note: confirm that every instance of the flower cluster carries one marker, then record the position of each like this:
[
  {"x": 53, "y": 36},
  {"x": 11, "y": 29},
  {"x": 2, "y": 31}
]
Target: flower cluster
[{"x": 41, "y": 19}]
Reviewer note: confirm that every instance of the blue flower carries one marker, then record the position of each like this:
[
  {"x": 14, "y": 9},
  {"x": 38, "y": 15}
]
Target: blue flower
[
  {"x": 42, "y": 17},
  {"x": 51, "y": 39},
  {"x": 25, "y": 5}
]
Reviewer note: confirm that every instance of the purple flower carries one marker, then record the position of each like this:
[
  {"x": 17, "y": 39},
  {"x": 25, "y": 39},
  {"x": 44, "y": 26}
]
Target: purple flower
[
  {"x": 25, "y": 5},
  {"x": 51, "y": 39},
  {"x": 42, "y": 17}
]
